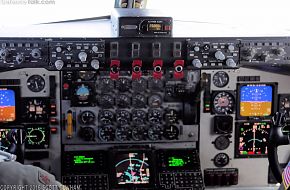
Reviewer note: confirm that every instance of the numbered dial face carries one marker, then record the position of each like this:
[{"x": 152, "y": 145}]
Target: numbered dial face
[
  {"x": 87, "y": 133},
  {"x": 106, "y": 117},
  {"x": 220, "y": 79},
  {"x": 123, "y": 84},
  {"x": 139, "y": 85},
  {"x": 123, "y": 117},
  {"x": 155, "y": 133},
  {"x": 139, "y": 101},
  {"x": 155, "y": 85},
  {"x": 155, "y": 116},
  {"x": 36, "y": 109},
  {"x": 139, "y": 133},
  {"x": 106, "y": 101},
  {"x": 36, "y": 83},
  {"x": 106, "y": 85},
  {"x": 107, "y": 133},
  {"x": 123, "y": 133},
  {"x": 139, "y": 117},
  {"x": 171, "y": 132},
  {"x": 221, "y": 160},
  {"x": 37, "y": 137},
  {"x": 87, "y": 75},
  {"x": 87, "y": 117},
  {"x": 171, "y": 116},
  {"x": 83, "y": 92},
  {"x": 123, "y": 101},
  {"x": 223, "y": 103}
]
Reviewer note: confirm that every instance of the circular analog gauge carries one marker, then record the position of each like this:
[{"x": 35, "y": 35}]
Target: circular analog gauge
[
  {"x": 36, "y": 136},
  {"x": 139, "y": 85},
  {"x": 106, "y": 101},
  {"x": 155, "y": 101},
  {"x": 222, "y": 142},
  {"x": 171, "y": 132},
  {"x": 139, "y": 101},
  {"x": 87, "y": 117},
  {"x": 123, "y": 133},
  {"x": 139, "y": 117},
  {"x": 155, "y": 84},
  {"x": 35, "y": 83},
  {"x": 155, "y": 133},
  {"x": 223, "y": 103},
  {"x": 107, "y": 133},
  {"x": 123, "y": 117},
  {"x": 87, "y": 75},
  {"x": 106, "y": 85},
  {"x": 154, "y": 116},
  {"x": 171, "y": 116},
  {"x": 139, "y": 133},
  {"x": 123, "y": 84},
  {"x": 123, "y": 101},
  {"x": 220, "y": 79},
  {"x": 221, "y": 160},
  {"x": 106, "y": 117}
]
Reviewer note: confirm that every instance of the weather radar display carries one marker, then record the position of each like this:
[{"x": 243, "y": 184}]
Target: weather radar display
[{"x": 132, "y": 168}]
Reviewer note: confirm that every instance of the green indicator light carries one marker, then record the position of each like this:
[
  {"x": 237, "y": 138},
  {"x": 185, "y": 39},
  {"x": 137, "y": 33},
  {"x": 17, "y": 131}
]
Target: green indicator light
[
  {"x": 207, "y": 105},
  {"x": 176, "y": 162},
  {"x": 83, "y": 160}
]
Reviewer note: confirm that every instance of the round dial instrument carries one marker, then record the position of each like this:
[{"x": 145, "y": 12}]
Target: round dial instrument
[
  {"x": 222, "y": 142},
  {"x": 106, "y": 101},
  {"x": 154, "y": 116},
  {"x": 155, "y": 133},
  {"x": 223, "y": 103},
  {"x": 171, "y": 116},
  {"x": 171, "y": 132},
  {"x": 123, "y": 133},
  {"x": 139, "y": 133},
  {"x": 35, "y": 83},
  {"x": 139, "y": 117},
  {"x": 155, "y": 84},
  {"x": 106, "y": 85},
  {"x": 106, "y": 117},
  {"x": 87, "y": 117},
  {"x": 123, "y": 101},
  {"x": 107, "y": 133},
  {"x": 139, "y": 85},
  {"x": 220, "y": 79},
  {"x": 123, "y": 84},
  {"x": 221, "y": 160},
  {"x": 83, "y": 92},
  {"x": 155, "y": 101},
  {"x": 36, "y": 137},
  {"x": 123, "y": 117},
  {"x": 139, "y": 101},
  {"x": 35, "y": 109}
]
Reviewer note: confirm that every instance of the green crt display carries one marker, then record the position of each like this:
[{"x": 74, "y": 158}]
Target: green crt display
[{"x": 83, "y": 160}]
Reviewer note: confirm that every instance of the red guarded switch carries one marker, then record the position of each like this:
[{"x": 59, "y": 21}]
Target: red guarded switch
[
  {"x": 136, "y": 69},
  {"x": 115, "y": 69},
  {"x": 178, "y": 69},
  {"x": 157, "y": 68}
]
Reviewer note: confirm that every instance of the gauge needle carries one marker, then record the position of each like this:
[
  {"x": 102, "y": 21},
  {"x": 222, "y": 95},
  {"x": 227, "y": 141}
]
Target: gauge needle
[
  {"x": 32, "y": 136},
  {"x": 36, "y": 84},
  {"x": 220, "y": 79}
]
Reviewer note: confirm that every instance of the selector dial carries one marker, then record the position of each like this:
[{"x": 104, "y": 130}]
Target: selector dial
[
  {"x": 83, "y": 56},
  {"x": 219, "y": 55},
  {"x": 20, "y": 58},
  {"x": 36, "y": 53},
  {"x": 4, "y": 53}
]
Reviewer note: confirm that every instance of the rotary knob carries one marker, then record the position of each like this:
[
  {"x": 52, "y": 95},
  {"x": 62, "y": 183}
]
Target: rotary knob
[
  {"x": 83, "y": 56},
  {"x": 95, "y": 64},
  {"x": 219, "y": 55},
  {"x": 59, "y": 64},
  {"x": 231, "y": 63},
  {"x": 19, "y": 58},
  {"x": 279, "y": 51},
  {"x": 36, "y": 53},
  {"x": 4, "y": 53},
  {"x": 196, "y": 63}
]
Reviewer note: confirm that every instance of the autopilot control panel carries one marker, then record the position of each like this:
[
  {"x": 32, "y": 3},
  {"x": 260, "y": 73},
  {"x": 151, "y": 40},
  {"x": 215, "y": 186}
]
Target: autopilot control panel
[{"x": 144, "y": 113}]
